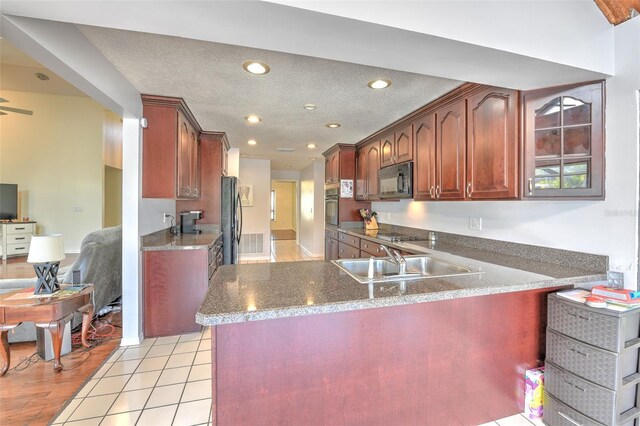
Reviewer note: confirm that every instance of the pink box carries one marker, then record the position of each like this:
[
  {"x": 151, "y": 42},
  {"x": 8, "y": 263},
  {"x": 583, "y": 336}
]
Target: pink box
[{"x": 533, "y": 392}]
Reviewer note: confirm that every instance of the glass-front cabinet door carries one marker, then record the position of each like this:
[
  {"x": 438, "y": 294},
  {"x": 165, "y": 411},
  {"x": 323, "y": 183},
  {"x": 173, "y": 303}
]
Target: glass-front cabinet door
[{"x": 564, "y": 142}]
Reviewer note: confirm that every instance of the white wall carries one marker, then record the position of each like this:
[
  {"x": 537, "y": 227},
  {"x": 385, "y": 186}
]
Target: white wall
[
  {"x": 311, "y": 229},
  {"x": 285, "y": 175},
  {"x": 601, "y": 227},
  {"x": 56, "y": 158},
  {"x": 233, "y": 162},
  {"x": 581, "y": 35},
  {"x": 256, "y": 219}
]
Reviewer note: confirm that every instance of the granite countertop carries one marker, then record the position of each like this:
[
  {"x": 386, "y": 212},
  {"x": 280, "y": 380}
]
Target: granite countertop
[
  {"x": 252, "y": 292},
  {"x": 163, "y": 240}
]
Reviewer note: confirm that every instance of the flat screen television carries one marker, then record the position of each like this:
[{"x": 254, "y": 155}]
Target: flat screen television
[{"x": 8, "y": 201}]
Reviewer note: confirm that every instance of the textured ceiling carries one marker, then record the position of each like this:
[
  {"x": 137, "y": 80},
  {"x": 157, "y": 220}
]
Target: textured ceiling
[
  {"x": 18, "y": 72},
  {"x": 210, "y": 77}
]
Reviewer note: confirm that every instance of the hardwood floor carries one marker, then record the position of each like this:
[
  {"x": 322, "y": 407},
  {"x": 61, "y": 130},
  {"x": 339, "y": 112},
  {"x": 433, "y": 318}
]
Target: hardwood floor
[
  {"x": 17, "y": 267},
  {"x": 32, "y": 394},
  {"x": 283, "y": 234}
]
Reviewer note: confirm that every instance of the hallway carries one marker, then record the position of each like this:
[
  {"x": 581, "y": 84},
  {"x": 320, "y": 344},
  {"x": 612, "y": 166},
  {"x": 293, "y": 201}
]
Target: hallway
[{"x": 285, "y": 251}]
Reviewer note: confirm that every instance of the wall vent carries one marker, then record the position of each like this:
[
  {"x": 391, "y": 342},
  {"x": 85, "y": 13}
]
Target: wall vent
[
  {"x": 251, "y": 244},
  {"x": 285, "y": 149}
]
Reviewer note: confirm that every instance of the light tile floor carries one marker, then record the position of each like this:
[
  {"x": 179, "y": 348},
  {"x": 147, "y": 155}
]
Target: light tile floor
[
  {"x": 163, "y": 381},
  {"x": 285, "y": 251}
]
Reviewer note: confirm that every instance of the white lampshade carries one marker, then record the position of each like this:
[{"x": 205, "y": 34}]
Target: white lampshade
[{"x": 46, "y": 248}]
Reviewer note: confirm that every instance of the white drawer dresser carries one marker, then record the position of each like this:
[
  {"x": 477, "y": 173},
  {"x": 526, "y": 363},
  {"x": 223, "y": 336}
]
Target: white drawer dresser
[{"x": 16, "y": 237}]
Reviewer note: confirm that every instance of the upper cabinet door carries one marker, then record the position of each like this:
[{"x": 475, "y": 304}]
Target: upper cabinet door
[
  {"x": 424, "y": 171},
  {"x": 564, "y": 142},
  {"x": 331, "y": 168},
  {"x": 184, "y": 158},
  {"x": 387, "y": 151},
  {"x": 404, "y": 145},
  {"x": 492, "y": 144},
  {"x": 361, "y": 174},
  {"x": 373, "y": 165},
  {"x": 450, "y": 151},
  {"x": 194, "y": 163}
]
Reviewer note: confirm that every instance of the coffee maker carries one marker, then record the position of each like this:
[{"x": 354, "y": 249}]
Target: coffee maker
[{"x": 188, "y": 221}]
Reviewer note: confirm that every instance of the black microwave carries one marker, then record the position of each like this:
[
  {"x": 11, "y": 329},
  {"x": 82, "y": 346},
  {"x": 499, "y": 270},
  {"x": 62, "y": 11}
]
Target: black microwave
[{"x": 396, "y": 181}]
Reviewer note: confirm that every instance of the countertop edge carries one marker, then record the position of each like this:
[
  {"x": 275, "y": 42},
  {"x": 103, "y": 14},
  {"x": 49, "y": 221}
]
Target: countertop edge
[{"x": 295, "y": 311}]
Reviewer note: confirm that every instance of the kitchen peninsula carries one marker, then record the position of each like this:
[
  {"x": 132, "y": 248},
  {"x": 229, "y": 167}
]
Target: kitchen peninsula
[{"x": 305, "y": 343}]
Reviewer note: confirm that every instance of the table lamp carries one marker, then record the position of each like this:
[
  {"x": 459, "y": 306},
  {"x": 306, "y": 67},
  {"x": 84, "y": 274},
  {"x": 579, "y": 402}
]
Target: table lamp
[{"x": 46, "y": 252}]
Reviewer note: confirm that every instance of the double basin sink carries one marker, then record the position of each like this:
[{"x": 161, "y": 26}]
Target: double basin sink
[{"x": 383, "y": 269}]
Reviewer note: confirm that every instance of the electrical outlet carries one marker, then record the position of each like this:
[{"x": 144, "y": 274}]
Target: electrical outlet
[{"x": 475, "y": 223}]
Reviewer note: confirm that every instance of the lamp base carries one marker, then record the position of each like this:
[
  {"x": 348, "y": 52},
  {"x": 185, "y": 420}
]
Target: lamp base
[{"x": 47, "y": 274}]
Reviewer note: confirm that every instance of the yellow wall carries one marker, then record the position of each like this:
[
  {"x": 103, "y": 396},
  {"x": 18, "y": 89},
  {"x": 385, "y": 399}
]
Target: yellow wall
[
  {"x": 285, "y": 205},
  {"x": 56, "y": 158},
  {"x": 112, "y": 196}
]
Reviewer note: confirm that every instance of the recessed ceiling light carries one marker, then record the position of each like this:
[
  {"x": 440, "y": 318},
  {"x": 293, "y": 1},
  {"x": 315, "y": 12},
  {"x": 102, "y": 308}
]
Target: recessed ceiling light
[
  {"x": 379, "y": 84},
  {"x": 244, "y": 155},
  {"x": 332, "y": 125},
  {"x": 252, "y": 142},
  {"x": 311, "y": 145},
  {"x": 256, "y": 67},
  {"x": 287, "y": 167},
  {"x": 309, "y": 107},
  {"x": 253, "y": 119},
  {"x": 41, "y": 76}
]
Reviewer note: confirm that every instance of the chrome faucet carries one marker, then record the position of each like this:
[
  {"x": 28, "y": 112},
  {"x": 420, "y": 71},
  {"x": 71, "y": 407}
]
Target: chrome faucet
[{"x": 396, "y": 258}]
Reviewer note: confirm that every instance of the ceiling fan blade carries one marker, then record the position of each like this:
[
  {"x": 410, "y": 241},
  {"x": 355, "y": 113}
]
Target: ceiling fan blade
[
  {"x": 18, "y": 110},
  {"x": 3, "y": 113},
  {"x": 3, "y": 100}
]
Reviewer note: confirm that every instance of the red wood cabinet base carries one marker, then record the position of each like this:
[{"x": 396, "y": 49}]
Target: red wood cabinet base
[
  {"x": 450, "y": 362},
  {"x": 175, "y": 283}
]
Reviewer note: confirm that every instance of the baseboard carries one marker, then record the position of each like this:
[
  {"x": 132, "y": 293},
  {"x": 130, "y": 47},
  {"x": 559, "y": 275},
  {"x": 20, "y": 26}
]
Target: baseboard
[
  {"x": 310, "y": 253},
  {"x": 130, "y": 341}
]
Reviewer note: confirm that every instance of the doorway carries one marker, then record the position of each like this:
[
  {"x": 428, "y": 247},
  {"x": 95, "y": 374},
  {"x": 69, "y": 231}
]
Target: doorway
[{"x": 283, "y": 210}]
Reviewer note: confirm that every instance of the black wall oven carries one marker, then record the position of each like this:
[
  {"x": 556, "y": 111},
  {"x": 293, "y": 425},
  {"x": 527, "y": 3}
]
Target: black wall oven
[{"x": 331, "y": 195}]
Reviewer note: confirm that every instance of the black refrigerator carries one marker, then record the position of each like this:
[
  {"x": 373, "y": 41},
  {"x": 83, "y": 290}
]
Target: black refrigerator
[{"x": 231, "y": 220}]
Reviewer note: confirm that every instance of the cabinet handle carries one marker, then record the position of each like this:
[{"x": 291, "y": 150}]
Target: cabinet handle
[
  {"x": 432, "y": 192},
  {"x": 574, "y": 385},
  {"x": 578, "y": 352},
  {"x": 569, "y": 419},
  {"x": 578, "y": 316},
  {"x": 21, "y": 238},
  {"x": 20, "y": 229},
  {"x": 469, "y": 189},
  {"x": 438, "y": 191},
  {"x": 20, "y": 248},
  {"x": 530, "y": 186}
]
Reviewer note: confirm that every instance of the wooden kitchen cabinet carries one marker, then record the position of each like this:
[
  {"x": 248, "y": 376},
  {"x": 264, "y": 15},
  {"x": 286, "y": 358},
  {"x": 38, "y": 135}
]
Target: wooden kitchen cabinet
[
  {"x": 331, "y": 244},
  {"x": 367, "y": 166},
  {"x": 424, "y": 171},
  {"x": 188, "y": 159},
  {"x": 451, "y": 151},
  {"x": 564, "y": 142},
  {"x": 397, "y": 147},
  {"x": 332, "y": 168},
  {"x": 213, "y": 146},
  {"x": 492, "y": 144},
  {"x": 170, "y": 153},
  {"x": 340, "y": 164}
]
